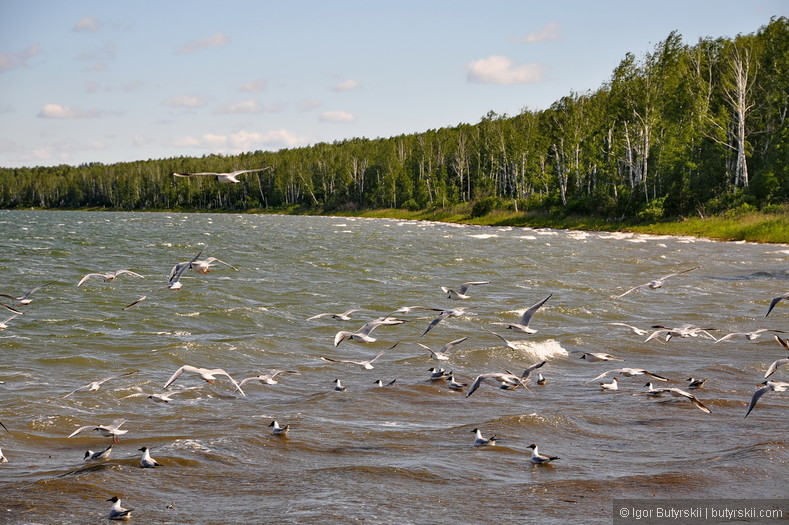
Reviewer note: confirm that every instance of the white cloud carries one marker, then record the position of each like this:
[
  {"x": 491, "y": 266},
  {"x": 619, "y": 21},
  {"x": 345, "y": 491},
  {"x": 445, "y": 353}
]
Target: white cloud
[
  {"x": 346, "y": 85},
  {"x": 58, "y": 111},
  {"x": 340, "y": 117},
  {"x": 241, "y": 141},
  {"x": 88, "y": 23},
  {"x": 549, "y": 32},
  {"x": 248, "y": 107},
  {"x": 497, "y": 69},
  {"x": 215, "y": 40},
  {"x": 255, "y": 86},
  {"x": 186, "y": 101},
  {"x": 9, "y": 61}
]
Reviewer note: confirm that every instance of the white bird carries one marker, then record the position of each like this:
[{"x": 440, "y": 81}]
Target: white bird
[
  {"x": 268, "y": 379},
  {"x": 117, "y": 512},
  {"x": 278, "y": 430},
  {"x": 506, "y": 378},
  {"x": 455, "y": 385},
  {"x": 441, "y": 354},
  {"x": 685, "y": 330},
  {"x": 204, "y": 266},
  {"x": 24, "y": 299},
  {"x": 541, "y": 379},
  {"x": 523, "y": 324},
  {"x": 750, "y": 336},
  {"x": 408, "y": 309},
  {"x": 147, "y": 461},
  {"x": 108, "y": 277},
  {"x": 694, "y": 382},
  {"x": 635, "y": 329},
  {"x": 112, "y": 430},
  {"x": 480, "y": 441},
  {"x": 657, "y": 283},
  {"x": 613, "y": 385},
  {"x": 208, "y": 375},
  {"x": 775, "y": 301},
  {"x": 156, "y": 397},
  {"x": 595, "y": 357},
  {"x": 3, "y": 459},
  {"x": 338, "y": 386},
  {"x": 630, "y": 372},
  {"x": 231, "y": 177},
  {"x": 94, "y": 385},
  {"x": 538, "y": 458},
  {"x": 771, "y": 385},
  {"x": 676, "y": 392},
  {"x": 453, "y": 312},
  {"x": 367, "y": 365},
  {"x": 780, "y": 362},
  {"x": 344, "y": 316},
  {"x": 101, "y": 454},
  {"x": 460, "y": 293},
  {"x": 650, "y": 391},
  {"x": 174, "y": 280},
  {"x": 4, "y": 324},
  {"x": 437, "y": 373},
  {"x": 507, "y": 342},
  {"x": 363, "y": 333}
]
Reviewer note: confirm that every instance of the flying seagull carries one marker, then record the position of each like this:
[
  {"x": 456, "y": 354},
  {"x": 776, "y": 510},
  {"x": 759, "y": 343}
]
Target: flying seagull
[
  {"x": 629, "y": 372},
  {"x": 204, "y": 266},
  {"x": 453, "y": 312},
  {"x": 676, "y": 392},
  {"x": 363, "y": 333},
  {"x": 657, "y": 283},
  {"x": 108, "y": 277},
  {"x": 24, "y": 299},
  {"x": 94, "y": 385},
  {"x": 230, "y": 177},
  {"x": 112, "y": 430},
  {"x": 523, "y": 324},
  {"x": 460, "y": 293},
  {"x": 367, "y": 365},
  {"x": 507, "y": 378},
  {"x": 775, "y": 301},
  {"x": 268, "y": 379},
  {"x": 442, "y": 354},
  {"x": 775, "y": 386},
  {"x": 750, "y": 336},
  {"x": 344, "y": 316},
  {"x": 208, "y": 374}
]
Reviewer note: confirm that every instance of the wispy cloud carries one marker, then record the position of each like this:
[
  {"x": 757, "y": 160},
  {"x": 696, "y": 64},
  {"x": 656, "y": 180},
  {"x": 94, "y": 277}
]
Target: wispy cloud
[
  {"x": 346, "y": 85},
  {"x": 308, "y": 105},
  {"x": 548, "y": 33},
  {"x": 9, "y": 61},
  {"x": 242, "y": 140},
  {"x": 215, "y": 40},
  {"x": 255, "y": 86},
  {"x": 59, "y": 111},
  {"x": 87, "y": 24},
  {"x": 337, "y": 117},
  {"x": 249, "y": 106},
  {"x": 498, "y": 69},
  {"x": 186, "y": 101}
]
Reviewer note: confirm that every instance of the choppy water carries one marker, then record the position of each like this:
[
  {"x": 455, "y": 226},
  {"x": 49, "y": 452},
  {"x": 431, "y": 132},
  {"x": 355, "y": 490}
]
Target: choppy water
[{"x": 401, "y": 454}]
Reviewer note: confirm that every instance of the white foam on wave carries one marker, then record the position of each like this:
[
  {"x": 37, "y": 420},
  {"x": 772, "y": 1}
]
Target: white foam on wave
[
  {"x": 542, "y": 350},
  {"x": 483, "y": 235}
]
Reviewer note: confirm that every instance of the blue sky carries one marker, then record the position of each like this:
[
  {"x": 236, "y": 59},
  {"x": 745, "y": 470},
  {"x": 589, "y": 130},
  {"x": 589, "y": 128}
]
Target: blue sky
[{"x": 111, "y": 81}]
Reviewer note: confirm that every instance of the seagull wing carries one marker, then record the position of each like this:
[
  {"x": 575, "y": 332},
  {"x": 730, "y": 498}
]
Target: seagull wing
[
  {"x": 677, "y": 273},
  {"x": 77, "y": 390},
  {"x": 650, "y": 374},
  {"x": 528, "y": 314},
  {"x": 88, "y": 277},
  {"x": 774, "y": 366},
  {"x": 756, "y": 396},
  {"x": 443, "y": 315},
  {"x": 219, "y": 371},
  {"x": 605, "y": 374},
  {"x": 119, "y": 272},
  {"x": 239, "y": 172},
  {"x": 465, "y": 286},
  {"x": 177, "y": 374},
  {"x": 633, "y": 289},
  {"x": 531, "y": 369},
  {"x": 775, "y": 301},
  {"x": 81, "y": 429}
]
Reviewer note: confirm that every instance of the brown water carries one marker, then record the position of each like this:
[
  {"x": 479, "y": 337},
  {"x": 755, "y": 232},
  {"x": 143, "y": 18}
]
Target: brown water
[{"x": 399, "y": 454}]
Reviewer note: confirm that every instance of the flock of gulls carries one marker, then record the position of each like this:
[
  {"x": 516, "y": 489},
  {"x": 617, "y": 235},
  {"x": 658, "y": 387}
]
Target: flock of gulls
[{"x": 504, "y": 379}]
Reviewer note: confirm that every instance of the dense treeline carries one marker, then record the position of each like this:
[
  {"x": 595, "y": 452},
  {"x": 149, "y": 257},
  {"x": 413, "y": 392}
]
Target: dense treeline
[{"x": 684, "y": 130}]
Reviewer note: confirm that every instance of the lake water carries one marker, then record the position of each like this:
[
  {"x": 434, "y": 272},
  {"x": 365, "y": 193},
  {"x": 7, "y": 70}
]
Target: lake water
[{"x": 398, "y": 454}]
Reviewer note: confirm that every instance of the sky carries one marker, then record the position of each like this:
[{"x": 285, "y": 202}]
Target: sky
[{"x": 113, "y": 81}]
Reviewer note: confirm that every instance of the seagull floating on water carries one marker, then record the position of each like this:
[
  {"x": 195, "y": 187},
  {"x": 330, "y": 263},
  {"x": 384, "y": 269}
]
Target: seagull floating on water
[
  {"x": 438, "y": 373},
  {"x": 230, "y": 177},
  {"x": 344, "y": 316},
  {"x": 480, "y": 441},
  {"x": 338, "y": 386},
  {"x": 101, "y": 454},
  {"x": 657, "y": 283},
  {"x": 380, "y": 383},
  {"x": 108, "y": 277},
  {"x": 94, "y": 385},
  {"x": 771, "y": 385},
  {"x": 539, "y": 459},
  {"x": 3, "y": 459},
  {"x": 460, "y": 293},
  {"x": 523, "y": 324},
  {"x": 112, "y": 430},
  {"x": 442, "y": 354},
  {"x": 147, "y": 461},
  {"x": 208, "y": 375},
  {"x": 278, "y": 430},
  {"x": 454, "y": 385},
  {"x": 541, "y": 380},
  {"x": 694, "y": 383},
  {"x": 117, "y": 512},
  {"x": 613, "y": 385}
]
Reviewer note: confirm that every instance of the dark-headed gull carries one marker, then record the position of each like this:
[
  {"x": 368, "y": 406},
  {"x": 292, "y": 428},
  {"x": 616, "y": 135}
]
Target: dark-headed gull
[
  {"x": 505, "y": 378},
  {"x": 771, "y": 385},
  {"x": 147, "y": 461},
  {"x": 539, "y": 459},
  {"x": 117, "y": 512},
  {"x": 480, "y": 441},
  {"x": 278, "y": 430},
  {"x": 112, "y": 430},
  {"x": 630, "y": 372}
]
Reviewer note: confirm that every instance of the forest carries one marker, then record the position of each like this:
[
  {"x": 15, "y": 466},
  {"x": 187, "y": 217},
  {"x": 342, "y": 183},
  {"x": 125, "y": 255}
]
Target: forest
[{"x": 685, "y": 130}]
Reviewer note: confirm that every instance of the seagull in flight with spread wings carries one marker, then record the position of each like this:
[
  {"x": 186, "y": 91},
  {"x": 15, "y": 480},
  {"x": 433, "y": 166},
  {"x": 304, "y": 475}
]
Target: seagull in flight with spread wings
[
  {"x": 108, "y": 277},
  {"x": 94, "y": 385},
  {"x": 657, "y": 283},
  {"x": 208, "y": 374},
  {"x": 231, "y": 177},
  {"x": 460, "y": 293},
  {"x": 523, "y": 324}
]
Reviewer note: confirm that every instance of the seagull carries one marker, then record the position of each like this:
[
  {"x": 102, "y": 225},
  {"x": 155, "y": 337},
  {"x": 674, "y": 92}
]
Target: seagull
[
  {"x": 694, "y": 383},
  {"x": 24, "y": 299},
  {"x": 3, "y": 459},
  {"x": 538, "y": 458},
  {"x": 686, "y": 330},
  {"x": 380, "y": 383},
  {"x": 775, "y": 386},
  {"x": 147, "y": 461},
  {"x": 506, "y": 341},
  {"x": 408, "y": 309},
  {"x": 613, "y": 385},
  {"x": 630, "y": 372},
  {"x": 676, "y": 392},
  {"x": 750, "y": 336},
  {"x": 594, "y": 357},
  {"x": 112, "y": 430},
  {"x": 108, "y": 277},
  {"x": 438, "y": 373},
  {"x": 650, "y": 391},
  {"x": 12, "y": 310},
  {"x": 454, "y": 385},
  {"x": 117, "y": 512},
  {"x": 230, "y": 177},
  {"x": 657, "y": 283},
  {"x": 268, "y": 379},
  {"x": 4, "y": 324},
  {"x": 204, "y": 266},
  {"x": 635, "y": 329},
  {"x": 479, "y": 441},
  {"x": 94, "y": 385},
  {"x": 775, "y": 301},
  {"x": 367, "y": 365},
  {"x": 174, "y": 280},
  {"x": 338, "y": 386},
  {"x": 508, "y": 378},
  {"x": 344, "y": 316},
  {"x": 278, "y": 430},
  {"x": 363, "y": 333},
  {"x": 541, "y": 379},
  {"x": 208, "y": 374},
  {"x": 158, "y": 398},
  {"x": 441, "y": 354},
  {"x": 780, "y": 362},
  {"x": 523, "y": 324},
  {"x": 101, "y": 454},
  {"x": 453, "y": 312},
  {"x": 461, "y": 292}
]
